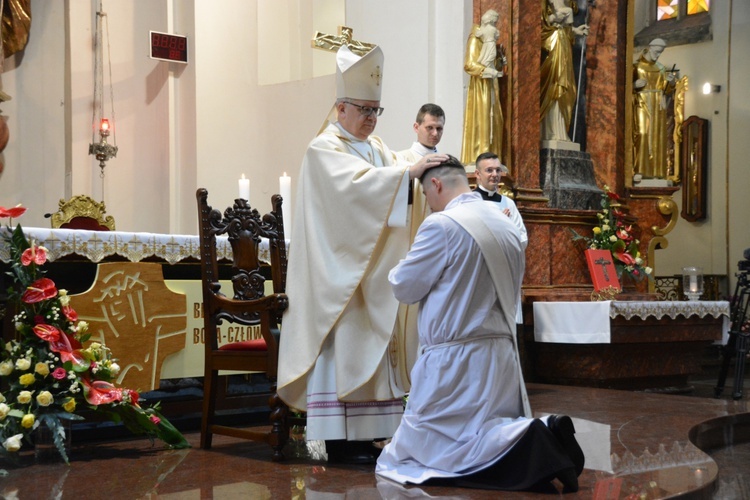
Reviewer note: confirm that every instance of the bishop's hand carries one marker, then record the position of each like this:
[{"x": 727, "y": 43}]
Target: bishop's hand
[{"x": 428, "y": 161}]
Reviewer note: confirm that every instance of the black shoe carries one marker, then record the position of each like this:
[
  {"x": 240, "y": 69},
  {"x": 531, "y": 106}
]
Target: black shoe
[
  {"x": 569, "y": 480},
  {"x": 563, "y": 429},
  {"x": 351, "y": 452}
]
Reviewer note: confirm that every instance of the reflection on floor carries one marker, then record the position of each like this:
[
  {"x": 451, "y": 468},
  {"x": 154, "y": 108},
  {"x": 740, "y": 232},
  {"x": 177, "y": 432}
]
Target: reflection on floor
[{"x": 635, "y": 444}]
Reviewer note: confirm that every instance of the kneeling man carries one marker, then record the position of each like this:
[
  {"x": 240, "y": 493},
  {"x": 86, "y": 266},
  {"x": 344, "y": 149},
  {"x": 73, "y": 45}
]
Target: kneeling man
[{"x": 468, "y": 419}]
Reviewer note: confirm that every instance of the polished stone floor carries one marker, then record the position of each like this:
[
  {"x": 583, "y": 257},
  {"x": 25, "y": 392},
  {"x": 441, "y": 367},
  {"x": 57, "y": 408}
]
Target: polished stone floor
[{"x": 637, "y": 445}]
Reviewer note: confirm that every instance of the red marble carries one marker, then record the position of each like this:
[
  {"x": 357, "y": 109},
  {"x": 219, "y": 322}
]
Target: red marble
[{"x": 653, "y": 443}]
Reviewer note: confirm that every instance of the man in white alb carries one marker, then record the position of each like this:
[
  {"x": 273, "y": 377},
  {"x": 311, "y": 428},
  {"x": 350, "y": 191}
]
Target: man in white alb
[
  {"x": 429, "y": 129},
  {"x": 341, "y": 350},
  {"x": 468, "y": 418}
]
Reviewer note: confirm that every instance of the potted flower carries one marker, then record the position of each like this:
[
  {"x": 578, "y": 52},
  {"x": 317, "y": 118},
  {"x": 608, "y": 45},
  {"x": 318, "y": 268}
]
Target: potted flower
[
  {"x": 613, "y": 233},
  {"x": 50, "y": 370}
]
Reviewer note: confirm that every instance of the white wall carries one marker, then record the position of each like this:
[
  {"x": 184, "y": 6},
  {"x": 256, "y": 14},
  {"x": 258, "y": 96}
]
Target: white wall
[{"x": 203, "y": 124}]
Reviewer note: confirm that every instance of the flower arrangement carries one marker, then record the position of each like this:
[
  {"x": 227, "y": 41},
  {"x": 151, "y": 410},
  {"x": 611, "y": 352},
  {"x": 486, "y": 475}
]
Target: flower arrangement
[
  {"x": 46, "y": 373},
  {"x": 615, "y": 234}
]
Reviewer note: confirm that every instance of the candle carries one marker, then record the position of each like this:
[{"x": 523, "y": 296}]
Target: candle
[
  {"x": 285, "y": 190},
  {"x": 693, "y": 283},
  {"x": 244, "y": 188}
]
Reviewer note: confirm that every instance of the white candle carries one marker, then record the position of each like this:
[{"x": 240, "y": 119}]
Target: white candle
[
  {"x": 285, "y": 190},
  {"x": 693, "y": 283},
  {"x": 244, "y": 188}
]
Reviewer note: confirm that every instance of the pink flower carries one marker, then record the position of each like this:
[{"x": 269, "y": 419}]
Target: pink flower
[
  {"x": 625, "y": 258},
  {"x": 47, "y": 333},
  {"x": 70, "y": 313},
  {"x": 34, "y": 254},
  {"x": 41, "y": 289},
  {"x": 100, "y": 392},
  {"x": 154, "y": 419},
  {"x": 59, "y": 373},
  {"x": 16, "y": 211}
]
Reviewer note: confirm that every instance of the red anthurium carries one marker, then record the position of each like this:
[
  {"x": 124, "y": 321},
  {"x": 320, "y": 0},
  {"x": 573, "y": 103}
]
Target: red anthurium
[
  {"x": 79, "y": 362},
  {"x": 16, "y": 211},
  {"x": 47, "y": 332},
  {"x": 613, "y": 196},
  {"x": 99, "y": 392},
  {"x": 70, "y": 313},
  {"x": 41, "y": 289},
  {"x": 133, "y": 396},
  {"x": 34, "y": 254},
  {"x": 625, "y": 258},
  {"x": 61, "y": 344},
  {"x": 622, "y": 234}
]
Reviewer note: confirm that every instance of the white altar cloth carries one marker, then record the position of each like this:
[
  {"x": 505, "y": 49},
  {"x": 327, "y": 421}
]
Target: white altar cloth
[
  {"x": 589, "y": 322},
  {"x": 135, "y": 247},
  {"x": 572, "y": 322}
]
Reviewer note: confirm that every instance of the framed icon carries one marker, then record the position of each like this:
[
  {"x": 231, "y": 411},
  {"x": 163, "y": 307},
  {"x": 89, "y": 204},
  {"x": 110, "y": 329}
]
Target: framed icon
[{"x": 694, "y": 168}]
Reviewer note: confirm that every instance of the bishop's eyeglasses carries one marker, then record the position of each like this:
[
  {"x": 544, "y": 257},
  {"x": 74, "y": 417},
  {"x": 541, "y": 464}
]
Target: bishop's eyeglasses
[{"x": 366, "y": 110}]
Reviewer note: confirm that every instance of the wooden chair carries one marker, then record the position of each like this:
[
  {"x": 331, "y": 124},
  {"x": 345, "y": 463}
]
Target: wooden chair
[
  {"x": 82, "y": 212},
  {"x": 249, "y": 306}
]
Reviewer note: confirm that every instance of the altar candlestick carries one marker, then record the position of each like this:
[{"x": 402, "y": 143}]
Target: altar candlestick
[
  {"x": 244, "y": 188},
  {"x": 285, "y": 190}
]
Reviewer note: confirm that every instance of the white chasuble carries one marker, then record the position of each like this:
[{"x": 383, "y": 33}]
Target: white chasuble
[{"x": 342, "y": 328}]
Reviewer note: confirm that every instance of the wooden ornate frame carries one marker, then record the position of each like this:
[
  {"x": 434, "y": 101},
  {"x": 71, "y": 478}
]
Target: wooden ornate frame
[{"x": 694, "y": 168}]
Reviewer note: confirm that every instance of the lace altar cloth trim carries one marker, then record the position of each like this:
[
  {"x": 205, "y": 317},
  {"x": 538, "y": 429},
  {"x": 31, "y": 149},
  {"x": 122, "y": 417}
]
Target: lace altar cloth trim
[
  {"x": 671, "y": 309},
  {"x": 98, "y": 245}
]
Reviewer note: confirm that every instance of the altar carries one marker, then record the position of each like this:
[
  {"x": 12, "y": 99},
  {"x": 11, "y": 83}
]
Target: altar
[
  {"x": 141, "y": 295},
  {"x": 634, "y": 345}
]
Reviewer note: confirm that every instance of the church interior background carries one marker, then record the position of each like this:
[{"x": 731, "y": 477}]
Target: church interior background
[{"x": 253, "y": 93}]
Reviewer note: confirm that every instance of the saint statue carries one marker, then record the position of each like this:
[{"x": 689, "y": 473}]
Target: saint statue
[
  {"x": 653, "y": 92},
  {"x": 15, "y": 24},
  {"x": 558, "y": 85},
  {"x": 484, "y": 62}
]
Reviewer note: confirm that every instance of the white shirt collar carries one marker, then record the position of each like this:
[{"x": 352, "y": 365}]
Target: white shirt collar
[
  {"x": 422, "y": 150},
  {"x": 479, "y": 186}
]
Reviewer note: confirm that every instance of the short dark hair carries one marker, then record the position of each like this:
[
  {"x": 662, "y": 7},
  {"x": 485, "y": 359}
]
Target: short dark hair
[
  {"x": 430, "y": 109},
  {"x": 449, "y": 167},
  {"x": 488, "y": 155}
]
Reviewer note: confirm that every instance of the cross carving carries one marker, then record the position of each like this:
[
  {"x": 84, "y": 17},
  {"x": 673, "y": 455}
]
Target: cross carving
[
  {"x": 332, "y": 43},
  {"x": 604, "y": 263}
]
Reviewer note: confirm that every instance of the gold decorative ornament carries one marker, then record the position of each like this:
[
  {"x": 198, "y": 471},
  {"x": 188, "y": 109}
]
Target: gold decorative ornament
[{"x": 82, "y": 206}]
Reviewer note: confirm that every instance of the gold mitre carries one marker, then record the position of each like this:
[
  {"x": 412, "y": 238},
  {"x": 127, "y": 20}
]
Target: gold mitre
[{"x": 359, "y": 77}]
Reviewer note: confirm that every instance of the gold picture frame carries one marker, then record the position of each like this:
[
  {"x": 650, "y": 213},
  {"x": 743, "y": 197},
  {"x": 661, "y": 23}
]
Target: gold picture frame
[{"x": 694, "y": 168}]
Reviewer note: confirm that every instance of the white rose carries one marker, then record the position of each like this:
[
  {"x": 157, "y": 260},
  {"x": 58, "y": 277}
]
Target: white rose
[
  {"x": 82, "y": 326},
  {"x": 6, "y": 368},
  {"x": 4, "y": 409},
  {"x": 23, "y": 364},
  {"x": 24, "y": 397},
  {"x": 13, "y": 443},
  {"x": 647, "y": 270},
  {"x": 114, "y": 368},
  {"x": 63, "y": 296},
  {"x": 613, "y": 238},
  {"x": 605, "y": 227}
]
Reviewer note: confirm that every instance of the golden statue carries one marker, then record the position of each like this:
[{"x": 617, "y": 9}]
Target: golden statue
[
  {"x": 484, "y": 62},
  {"x": 558, "y": 85},
  {"x": 333, "y": 43},
  {"x": 653, "y": 91},
  {"x": 16, "y": 23}
]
